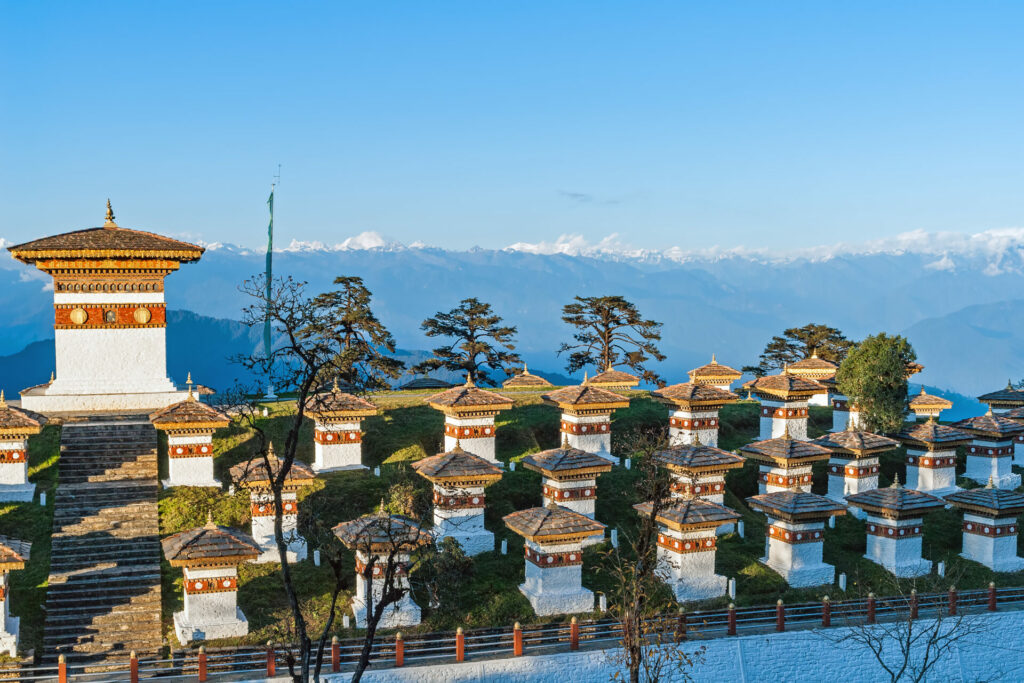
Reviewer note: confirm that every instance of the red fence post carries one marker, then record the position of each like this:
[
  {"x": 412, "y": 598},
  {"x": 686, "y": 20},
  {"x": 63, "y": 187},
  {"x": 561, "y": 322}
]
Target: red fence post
[
  {"x": 952, "y": 600},
  {"x": 271, "y": 663},
  {"x": 991, "y": 597},
  {"x": 399, "y": 650},
  {"x": 335, "y": 654},
  {"x": 913, "y": 603},
  {"x": 871, "y": 608},
  {"x": 133, "y": 667},
  {"x": 517, "y": 640},
  {"x": 780, "y": 616},
  {"x": 460, "y": 645},
  {"x": 202, "y": 664},
  {"x": 826, "y": 612},
  {"x": 62, "y": 669},
  {"x": 574, "y": 634},
  {"x": 732, "y": 619}
]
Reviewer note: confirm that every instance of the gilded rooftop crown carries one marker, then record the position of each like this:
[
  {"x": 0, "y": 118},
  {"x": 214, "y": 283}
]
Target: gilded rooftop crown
[{"x": 109, "y": 223}]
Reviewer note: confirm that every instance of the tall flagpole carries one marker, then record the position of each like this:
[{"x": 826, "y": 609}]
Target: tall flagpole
[{"x": 270, "y": 275}]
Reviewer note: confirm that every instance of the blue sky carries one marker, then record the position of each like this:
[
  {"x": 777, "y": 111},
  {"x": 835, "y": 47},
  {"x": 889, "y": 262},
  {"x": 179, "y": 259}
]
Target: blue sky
[{"x": 483, "y": 123}]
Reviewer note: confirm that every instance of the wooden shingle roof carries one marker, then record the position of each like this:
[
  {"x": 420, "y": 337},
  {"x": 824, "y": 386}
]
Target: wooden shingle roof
[
  {"x": 615, "y": 379},
  {"x": 209, "y": 545},
  {"x": 253, "y": 473},
  {"x": 552, "y": 524},
  {"x": 690, "y": 394},
  {"x": 14, "y": 553},
  {"x": 813, "y": 363},
  {"x": 425, "y": 383},
  {"x": 337, "y": 403},
  {"x": 457, "y": 464},
  {"x": 468, "y": 398},
  {"x": 925, "y": 402},
  {"x": 796, "y": 506},
  {"x": 566, "y": 460},
  {"x": 697, "y": 458},
  {"x": 714, "y": 373},
  {"x": 693, "y": 513},
  {"x": 784, "y": 386},
  {"x": 586, "y": 396},
  {"x": 785, "y": 451},
  {"x": 989, "y": 501},
  {"x": 856, "y": 442},
  {"x": 525, "y": 379},
  {"x": 189, "y": 414},
  {"x": 896, "y": 502},
  {"x": 381, "y": 532},
  {"x": 931, "y": 434},
  {"x": 15, "y": 421},
  {"x": 990, "y": 425},
  {"x": 1004, "y": 397}
]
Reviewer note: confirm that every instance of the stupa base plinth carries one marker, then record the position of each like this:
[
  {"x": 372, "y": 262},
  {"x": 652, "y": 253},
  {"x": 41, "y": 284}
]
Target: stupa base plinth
[
  {"x": 187, "y": 632},
  {"x": 548, "y": 604},
  {"x": 17, "y": 493}
]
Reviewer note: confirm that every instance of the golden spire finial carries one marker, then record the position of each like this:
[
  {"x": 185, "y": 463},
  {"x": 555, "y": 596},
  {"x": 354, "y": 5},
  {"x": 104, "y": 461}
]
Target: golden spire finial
[
  {"x": 3, "y": 403},
  {"x": 785, "y": 368},
  {"x": 696, "y": 438},
  {"x": 922, "y": 390},
  {"x": 270, "y": 450},
  {"x": 785, "y": 431},
  {"x": 109, "y": 223},
  {"x": 334, "y": 387},
  {"x": 585, "y": 377},
  {"x": 609, "y": 367},
  {"x": 814, "y": 352},
  {"x": 895, "y": 481},
  {"x": 1009, "y": 384},
  {"x": 526, "y": 370},
  {"x": 469, "y": 380},
  {"x": 714, "y": 361},
  {"x": 188, "y": 381},
  {"x": 931, "y": 418},
  {"x": 52, "y": 376},
  {"x": 988, "y": 413},
  {"x": 209, "y": 520},
  {"x": 565, "y": 441},
  {"x": 458, "y": 444},
  {"x": 991, "y": 482}
]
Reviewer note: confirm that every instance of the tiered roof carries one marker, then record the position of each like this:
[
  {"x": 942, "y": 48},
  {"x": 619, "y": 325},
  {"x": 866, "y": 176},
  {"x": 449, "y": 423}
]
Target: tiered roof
[
  {"x": 209, "y": 545},
  {"x": 552, "y": 524},
  {"x": 425, "y": 383},
  {"x": 690, "y": 458},
  {"x": 253, "y": 474},
  {"x": 525, "y": 379},
  {"x": 989, "y": 425},
  {"x": 566, "y": 461},
  {"x": 17, "y": 422},
  {"x": 784, "y": 386},
  {"x": 926, "y": 404},
  {"x": 14, "y": 553},
  {"x": 614, "y": 379},
  {"x": 813, "y": 368},
  {"x": 458, "y": 466},
  {"x": 338, "y": 404},
  {"x": 189, "y": 414},
  {"x": 785, "y": 451},
  {"x": 690, "y": 514},
  {"x": 714, "y": 373},
  {"x": 856, "y": 442},
  {"x": 380, "y": 532},
  {"x": 1004, "y": 398},
  {"x": 1015, "y": 413},
  {"x": 989, "y": 501},
  {"x": 796, "y": 506},
  {"x": 469, "y": 398},
  {"x": 586, "y": 397},
  {"x": 691, "y": 395},
  {"x": 933, "y": 436},
  {"x": 896, "y": 502}
]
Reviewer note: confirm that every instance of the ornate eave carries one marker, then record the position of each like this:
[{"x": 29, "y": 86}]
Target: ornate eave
[
  {"x": 193, "y": 427},
  {"x": 455, "y": 482}
]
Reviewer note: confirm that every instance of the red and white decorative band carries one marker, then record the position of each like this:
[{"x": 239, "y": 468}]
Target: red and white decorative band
[
  {"x": 791, "y": 536},
  {"x": 290, "y": 507},
  {"x": 982, "y": 529},
  {"x": 689, "y": 545},
  {"x": 931, "y": 462},
  {"x": 840, "y": 404},
  {"x": 553, "y": 493},
  {"x": 97, "y": 316},
  {"x": 335, "y": 438},
  {"x": 576, "y": 428},
  {"x": 3, "y": 593},
  {"x": 697, "y": 423},
  {"x": 784, "y": 413},
  {"x": 999, "y": 452},
  {"x": 224, "y": 584},
  {"x": 471, "y": 432},
  {"x": 553, "y": 559},
  {"x": 13, "y": 456},
  {"x": 894, "y": 531},
  {"x": 379, "y": 567},
  {"x": 697, "y": 489},
  {"x": 191, "y": 450},
  {"x": 784, "y": 480},
  {"x": 853, "y": 472},
  {"x": 456, "y": 502}
]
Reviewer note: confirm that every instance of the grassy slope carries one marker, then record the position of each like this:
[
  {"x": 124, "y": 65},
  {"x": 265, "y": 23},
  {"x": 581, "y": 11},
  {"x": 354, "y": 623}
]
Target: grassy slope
[{"x": 407, "y": 430}]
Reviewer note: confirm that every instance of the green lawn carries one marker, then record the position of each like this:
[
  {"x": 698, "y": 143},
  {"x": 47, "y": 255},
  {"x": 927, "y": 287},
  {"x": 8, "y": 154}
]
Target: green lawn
[{"x": 407, "y": 430}]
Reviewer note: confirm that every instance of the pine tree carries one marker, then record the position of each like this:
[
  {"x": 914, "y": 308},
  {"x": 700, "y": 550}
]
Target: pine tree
[
  {"x": 797, "y": 343},
  {"x": 610, "y": 331},
  {"x": 480, "y": 341}
]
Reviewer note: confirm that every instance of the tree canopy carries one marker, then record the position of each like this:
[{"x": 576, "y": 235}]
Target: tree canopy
[
  {"x": 610, "y": 331},
  {"x": 874, "y": 377},
  {"x": 480, "y": 341},
  {"x": 797, "y": 343}
]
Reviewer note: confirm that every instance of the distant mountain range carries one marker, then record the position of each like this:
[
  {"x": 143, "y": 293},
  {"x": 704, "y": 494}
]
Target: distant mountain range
[{"x": 958, "y": 298}]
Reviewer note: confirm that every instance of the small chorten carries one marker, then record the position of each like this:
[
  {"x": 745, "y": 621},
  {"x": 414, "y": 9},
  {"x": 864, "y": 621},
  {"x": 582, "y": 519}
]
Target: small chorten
[
  {"x": 990, "y": 526},
  {"x": 253, "y": 475},
  {"x": 1004, "y": 399},
  {"x": 374, "y": 538},
  {"x": 337, "y": 429},
  {"x": 14, "y": 554},
  {"x": 554, "y": 538},
  {"x": 190, "y": 425},
  {"x": 784, "y": 462},
  {"x": 209, "y": 557},
  {"x": 931, "y": 456},
  {"x": 795, "y": 535},
  {"x": 569, "y": 477},
  {"x": 895, "y": 523},
  {"x": 469, "y": 414},
  {"x": 853, "y": 466},
  {"x": 614, "y": 380},
  {"x": 715, "y": 374},
  {"x": 459, "y": 480},
  {"x": 925, "y": 405},
  {"x": 699, "y": 470},
  {"x": 587, "y": 415},
  {"x": 524, "y": 380},
  {"x": 817, "y": 370},
  {"x": 687, "y": 542},
  {"x": 693, "y": 411},
  {"x": 784, "y": 400},
  {"x": 991, "y": 452},
  {"x": 16, "y": 426}
]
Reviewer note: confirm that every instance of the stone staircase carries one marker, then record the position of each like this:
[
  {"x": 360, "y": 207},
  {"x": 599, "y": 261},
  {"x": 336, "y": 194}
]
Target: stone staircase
[{"x": 103, "y": 599}]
